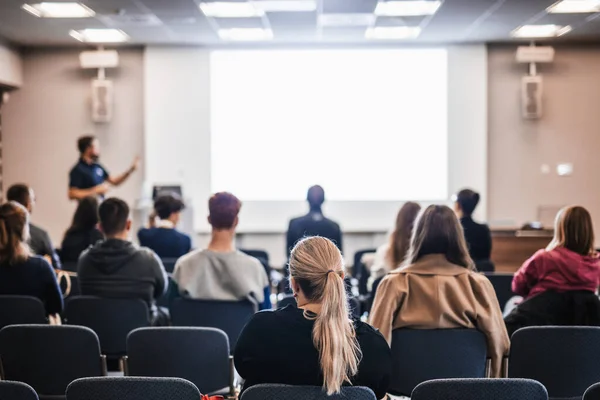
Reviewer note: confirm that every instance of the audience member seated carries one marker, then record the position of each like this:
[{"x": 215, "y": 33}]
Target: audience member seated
[
  {"x": 116, "y": 268},
  {"x": 315, "y": 343},
  {"x": 39, "y": 240},
  {"x": 437, "y": 287},
  {"x": 163, "y": 238},
  {"x": 83, "y": 231},
  {"x": 314, "y": 223},
  {"x": 478, "y": 236},
  {"x": 20, "y": 272},
  {"x": 391, "y": 254},
  {"x": 559, "y": 282},
  {"x": 220, "y": 272}
]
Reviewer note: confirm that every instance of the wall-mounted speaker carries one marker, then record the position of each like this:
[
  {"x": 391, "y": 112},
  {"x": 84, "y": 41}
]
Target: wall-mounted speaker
[
  {"x": 102, "y": 100},
  {"x": 531, "y": 97}
]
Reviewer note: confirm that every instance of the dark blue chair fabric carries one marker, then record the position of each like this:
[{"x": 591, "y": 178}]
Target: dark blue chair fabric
[
  {"x": 485, "y": 266},
  {"x": 288, "y": 392},
  {"x": 169, "y": 264},
  {"x": 16, "y": 391},
  {"x": 564, "y": 359},
  {"x": 592, "y": 393},
  {"x": 200, "y": 355},
  {"x": 502, "y": 284},
  {"x": 420, "y": 355},
  {"x": 128, "y": 388},
  {"x": 49, "y": 357},
  {"x": 18, "y": 310},
  {"x": 228, "y": 316},
  {"x": 480, "y": 389},
  {"x": 360, "y": 271},
  {"x": 111, "y": 319}
]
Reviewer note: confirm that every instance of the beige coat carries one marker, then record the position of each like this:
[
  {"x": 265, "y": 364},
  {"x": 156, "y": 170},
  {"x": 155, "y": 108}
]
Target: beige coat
[{"x": 435, "y": 294}]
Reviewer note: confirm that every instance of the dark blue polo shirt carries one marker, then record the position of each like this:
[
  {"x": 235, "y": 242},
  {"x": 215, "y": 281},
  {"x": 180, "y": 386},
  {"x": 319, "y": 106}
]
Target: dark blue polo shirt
[{"x": 86, "y": 176}]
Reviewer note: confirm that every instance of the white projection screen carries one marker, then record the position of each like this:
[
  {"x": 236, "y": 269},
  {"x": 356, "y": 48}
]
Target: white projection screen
[{"x": 366, "y": 124}]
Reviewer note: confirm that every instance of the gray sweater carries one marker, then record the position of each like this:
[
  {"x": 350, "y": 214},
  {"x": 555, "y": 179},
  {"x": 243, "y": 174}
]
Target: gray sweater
[
  {"x": 119, "y": 269},
  {"x": 210, "y": 275}
]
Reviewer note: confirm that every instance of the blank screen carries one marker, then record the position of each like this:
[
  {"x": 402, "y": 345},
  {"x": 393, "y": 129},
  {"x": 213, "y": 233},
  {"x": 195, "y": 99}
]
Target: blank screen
[{"x": 365, "y": 124}]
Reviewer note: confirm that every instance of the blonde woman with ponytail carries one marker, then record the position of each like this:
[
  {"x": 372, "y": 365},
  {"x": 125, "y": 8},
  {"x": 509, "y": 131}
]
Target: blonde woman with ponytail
[
  {"x": 316, "y": 343},
  {"x": 20, "y": 272}
]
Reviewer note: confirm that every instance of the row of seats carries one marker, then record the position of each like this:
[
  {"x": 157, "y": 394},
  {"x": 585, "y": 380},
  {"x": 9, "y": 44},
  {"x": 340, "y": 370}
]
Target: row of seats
[{"x": 563, "y": 359}]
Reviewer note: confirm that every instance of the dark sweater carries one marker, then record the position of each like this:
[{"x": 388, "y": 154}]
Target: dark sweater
[
  {"x": 277, "y": 347},
  {"x": 166, "y": 242},
  {"x": 479, "y": 239},
  {"x": 41, "y": 245},
  {"x": 118, "y": 269},
  {"x": 34, "y": 277},
  {"x": 313, "y": 224},
  {"x": 75, "y": 242}
]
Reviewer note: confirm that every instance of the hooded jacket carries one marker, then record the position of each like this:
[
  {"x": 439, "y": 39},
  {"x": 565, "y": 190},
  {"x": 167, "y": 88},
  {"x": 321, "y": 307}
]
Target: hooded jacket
[
  {"x": 118, "y": 269},
  {"x": 559, "y": 270}
]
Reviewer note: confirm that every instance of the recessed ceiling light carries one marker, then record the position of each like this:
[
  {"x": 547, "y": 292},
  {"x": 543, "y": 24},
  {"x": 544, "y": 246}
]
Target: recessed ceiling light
[
  {"x": 246, "y": 34},
  {"x": 408, "y": 8},
  {"x": 540, "y": 31},
  {"x": 574, "y": 6},
  {"x": 59, "y": 10},
  {"x": 393, "y": 32},
  {"x": 230, "y": 10},
  {"x": 333, "y": 20},
  {"x": 100, "y": 35},
  {"x": 285, "y": 5}
]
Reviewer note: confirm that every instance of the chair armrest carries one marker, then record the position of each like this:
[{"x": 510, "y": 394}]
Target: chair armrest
[
  {"x": 103, "y": 364},
  {"x": 125, "y": 365},
  {"x": 231, "y": 376}
]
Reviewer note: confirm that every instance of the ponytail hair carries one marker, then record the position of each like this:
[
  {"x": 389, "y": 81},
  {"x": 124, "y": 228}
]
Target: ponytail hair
[
  {"x": 14, "y": 233},
  {"x": 316, "y": 264},
  {"x": 467, "y": 200}
]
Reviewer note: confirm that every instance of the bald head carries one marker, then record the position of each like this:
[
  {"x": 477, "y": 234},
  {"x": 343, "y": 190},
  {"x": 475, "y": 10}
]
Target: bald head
[{"x": 315, "y": 196}]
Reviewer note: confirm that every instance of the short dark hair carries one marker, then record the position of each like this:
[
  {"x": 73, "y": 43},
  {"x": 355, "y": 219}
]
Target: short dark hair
[
  {"x": 86, "y": 215},
  {"x": 224, "y": 209},
  {"x": 20, "y": 193},
  {"x": 84, "y": 142},
  {"x": 167, "y": 204},
  {"x": 315, "y": 196},
  {"x": 113, "y": 213},
  {"x": 467, "y": 199}
]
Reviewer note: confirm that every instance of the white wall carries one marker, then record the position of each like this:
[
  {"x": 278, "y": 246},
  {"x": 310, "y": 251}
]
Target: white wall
[
  {"x": 177, "y": 146},
  {"x": 11, "y": 68}
]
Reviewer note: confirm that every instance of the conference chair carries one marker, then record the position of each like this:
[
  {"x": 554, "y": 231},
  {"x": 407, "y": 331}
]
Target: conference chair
[
  {"x": 49, "y": 357},
  {"x": 485, "y": 266},
  {"x": 261, "y": 256},
  {"x": 502, "y": 284},
  {"x": 289, "y": 392},
  {"x": 17, "y": 391},
  {"x": 479, "y": 389},
  {"x": 562, "y": 358},
  {"x": 111, "y": 319},
  {"x": 360, "y": 271},
  {"x": 129, "y": 388},
  {"x": 420, "y": 355},
  {"x": 18, "y": 310},
  {"x": 229, "y": 316},
  {"x": 592, "y": 393},
  {"x": 200, "y": 355},
  {"x": 169, "y": 264}
]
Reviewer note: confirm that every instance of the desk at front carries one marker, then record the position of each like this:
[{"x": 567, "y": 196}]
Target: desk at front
[{"x": 510, "y": 248}]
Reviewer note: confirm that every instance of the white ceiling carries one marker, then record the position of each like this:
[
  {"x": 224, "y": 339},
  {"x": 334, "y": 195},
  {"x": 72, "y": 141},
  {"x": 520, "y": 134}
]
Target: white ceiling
[{"x": 181, "y": 22}]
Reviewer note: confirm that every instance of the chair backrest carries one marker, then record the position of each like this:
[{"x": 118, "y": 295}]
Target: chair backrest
[
  {"x": 111, "y": 319},
  {"x": 260, "y": 254},
  {"x": 564, "y": 359},
  {"x": 228, "y": 316},
  {"x": 129, "y": 388},
  {"x": 485, "y": 266},
  {"x": 289, "y": 392},
  {"x": 592, "y": 393},
  {"x": 17, "y": 391},
  {"x": 420, "y": 355},
  {"x": 200, "y": 355},
  {"x": 502, "y": 284},
  {"x": 49, "y": 357},
  {"x": 18, "y": 310},
  {"x": 169, "y": 264},
  {"x": 479, "y": 389}
]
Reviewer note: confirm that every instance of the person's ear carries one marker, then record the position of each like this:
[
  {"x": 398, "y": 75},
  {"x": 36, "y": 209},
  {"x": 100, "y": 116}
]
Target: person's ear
[
  {"x": 128, "y": 225},
  {"x": 294, "y": 285},
  {"x": 208, "y": 220},
  {"x": 235, "y": 222}
]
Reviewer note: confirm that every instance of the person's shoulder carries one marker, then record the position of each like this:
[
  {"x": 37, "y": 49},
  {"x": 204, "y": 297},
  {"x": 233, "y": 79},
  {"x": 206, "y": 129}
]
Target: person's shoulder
[
  {"x": 147, "y": 253},
  {"x": 36, "y": 230},
  {"x": 193, "y": 257},
  {"x": 366, "y": 332},
  {"x": 38, "y": 262}
]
